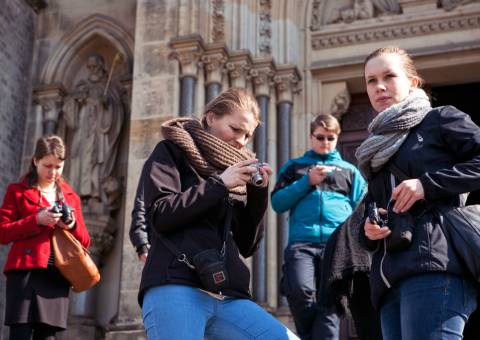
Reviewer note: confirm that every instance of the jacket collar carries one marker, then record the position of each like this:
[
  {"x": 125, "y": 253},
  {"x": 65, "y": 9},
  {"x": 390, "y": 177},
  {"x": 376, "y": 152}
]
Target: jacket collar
[
  {"x": 329, "y": 157},
  {"x": 33, "y": 194}
]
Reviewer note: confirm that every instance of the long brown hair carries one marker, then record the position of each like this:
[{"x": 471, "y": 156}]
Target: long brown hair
[{"x": 45, "y": 146}]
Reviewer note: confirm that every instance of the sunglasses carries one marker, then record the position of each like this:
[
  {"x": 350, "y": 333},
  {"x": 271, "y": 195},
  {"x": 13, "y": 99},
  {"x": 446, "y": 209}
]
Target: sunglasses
[{"x": 321, "y": 138}]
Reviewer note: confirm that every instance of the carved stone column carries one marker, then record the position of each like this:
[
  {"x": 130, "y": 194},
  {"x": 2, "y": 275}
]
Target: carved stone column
[
  {"x": 261, "y": 74},
  {"x": 238, "y": 67},
  {"x": 50, "y": 99},
  {"x": 286, "y": 82},
  {"x": 188, "y": 51},
  {"x": 213, "y": 62},
  {"x": 335, "y": 99}
]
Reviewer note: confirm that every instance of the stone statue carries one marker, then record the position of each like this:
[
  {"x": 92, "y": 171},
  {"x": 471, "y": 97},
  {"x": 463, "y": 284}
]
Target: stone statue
[{"x": 94, "y": 115}]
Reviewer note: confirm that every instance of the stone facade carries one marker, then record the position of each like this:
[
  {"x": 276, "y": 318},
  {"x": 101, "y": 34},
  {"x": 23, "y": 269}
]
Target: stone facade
[
  {"x": 167, "y": 58},
  {"x": 17, "y": 31}
]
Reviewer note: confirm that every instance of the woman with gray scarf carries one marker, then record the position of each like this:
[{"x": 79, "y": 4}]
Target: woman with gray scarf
[{"x": 419, "y": 286}]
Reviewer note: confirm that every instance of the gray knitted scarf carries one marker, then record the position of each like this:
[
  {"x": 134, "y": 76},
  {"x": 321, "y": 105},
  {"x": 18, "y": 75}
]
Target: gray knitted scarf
[{"x": 389, "y": 129}]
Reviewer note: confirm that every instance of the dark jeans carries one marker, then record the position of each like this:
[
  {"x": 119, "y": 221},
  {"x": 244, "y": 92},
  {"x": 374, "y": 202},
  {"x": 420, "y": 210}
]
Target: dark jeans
[{"x": 301, "y": 275}]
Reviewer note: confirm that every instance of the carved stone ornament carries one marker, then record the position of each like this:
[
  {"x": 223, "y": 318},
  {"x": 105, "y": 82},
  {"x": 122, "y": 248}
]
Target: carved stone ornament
[
  {"x": 218, "y": 30},
  {"x": 261, "y": 75},
  {"x": 340, "y": 104},
  {"x": 102, "y": 234},
  {"x": 213, "y": 62},
  {"x": 287, "y": 82},
  {"x": 94, "y": 115},
  {"x": 349, "y": 11},
  {"x": 50, "y": 98},
  {"x": 360, "y": 35},
  {"x": 238, "y": 67},
  {"x": 265, "y": 30},
  {"x": 187, "y": 50}
]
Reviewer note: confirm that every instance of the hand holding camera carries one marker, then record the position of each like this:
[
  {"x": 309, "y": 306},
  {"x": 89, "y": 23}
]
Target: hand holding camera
[
  {"x": 250, "y": 171},
  {"x": 399, "y": 231},
  {"x": 318, "y": 173},
  {"x": 67, "y": 217}
]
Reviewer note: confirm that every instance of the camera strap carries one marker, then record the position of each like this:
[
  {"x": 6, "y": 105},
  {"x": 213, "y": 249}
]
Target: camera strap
[
  {"x": 399, "y": 174},
  {"x": 182, "y": 257}
]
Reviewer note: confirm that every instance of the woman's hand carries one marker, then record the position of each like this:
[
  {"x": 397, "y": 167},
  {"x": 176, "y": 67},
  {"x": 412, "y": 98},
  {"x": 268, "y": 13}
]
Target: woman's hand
[
  {"x": 373, "y": 231},
  {"x": 45, "y": 217},
  {"x": 406, "y": 194},
  {"x": 238, "y": 174},
  {"x": 266, "y": 172},
  {"x": 67, "y": 226}
]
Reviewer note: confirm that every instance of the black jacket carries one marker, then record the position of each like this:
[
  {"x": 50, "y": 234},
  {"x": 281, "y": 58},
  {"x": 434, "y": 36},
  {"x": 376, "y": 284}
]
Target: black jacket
[
  {"x": 139, "y": 230},
  {"x": 443, "y": 152},
  {"x": 190, "y": 211}
]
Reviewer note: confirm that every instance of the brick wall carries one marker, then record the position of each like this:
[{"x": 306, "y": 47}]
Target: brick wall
[{"x": 17, "y": 21}]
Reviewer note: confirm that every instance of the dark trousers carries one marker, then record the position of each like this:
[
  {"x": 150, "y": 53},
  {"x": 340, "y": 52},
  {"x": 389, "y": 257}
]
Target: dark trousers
[
  {"x": 301, "y": 275},
  {"x": 37, "y": 331}
]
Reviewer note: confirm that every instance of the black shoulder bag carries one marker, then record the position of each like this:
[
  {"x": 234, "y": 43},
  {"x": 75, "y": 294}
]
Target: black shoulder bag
[
  {"x": 209, "y": 264},
  {"x": 461, "y": 226}
]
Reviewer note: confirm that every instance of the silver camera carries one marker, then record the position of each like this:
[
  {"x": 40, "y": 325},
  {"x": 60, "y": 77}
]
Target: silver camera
[{"x": 257, "y": 178}]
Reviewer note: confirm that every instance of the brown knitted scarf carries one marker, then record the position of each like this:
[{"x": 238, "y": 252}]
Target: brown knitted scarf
[{"x": 208, "y": 154}]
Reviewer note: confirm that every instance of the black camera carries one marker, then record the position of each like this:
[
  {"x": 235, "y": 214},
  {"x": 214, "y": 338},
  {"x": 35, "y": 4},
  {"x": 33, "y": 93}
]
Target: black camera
[
  {"x": 65, "y": 210},
  {"x": 401, "y": 226},
  {"x": 257, "y": 178}
]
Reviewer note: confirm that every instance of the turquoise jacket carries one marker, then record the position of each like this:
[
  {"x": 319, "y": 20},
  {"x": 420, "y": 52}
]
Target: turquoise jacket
[{"x": 316, "y": 211}]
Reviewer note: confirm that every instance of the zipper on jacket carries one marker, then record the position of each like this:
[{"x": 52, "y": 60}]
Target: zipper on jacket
[{"x": 384, "y": 278}]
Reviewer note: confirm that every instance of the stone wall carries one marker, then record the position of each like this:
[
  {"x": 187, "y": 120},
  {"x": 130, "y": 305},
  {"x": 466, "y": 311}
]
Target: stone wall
[{"x": 17, "y": 21}]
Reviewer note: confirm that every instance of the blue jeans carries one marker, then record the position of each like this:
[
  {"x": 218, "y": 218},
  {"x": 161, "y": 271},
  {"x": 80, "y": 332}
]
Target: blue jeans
[
  {"x": 301, "y": 276},
  {"x": 431, "y": 306},
  {"x": 181, "y": 312}
]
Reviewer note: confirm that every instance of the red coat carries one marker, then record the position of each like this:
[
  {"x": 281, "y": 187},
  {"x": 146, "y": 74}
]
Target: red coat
[{"x": 18, "y": 224}]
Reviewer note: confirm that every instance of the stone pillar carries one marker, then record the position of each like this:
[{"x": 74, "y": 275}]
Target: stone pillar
[
  {"x": 238, "y": 67},
  {"x": 188, "y": 51},
  {"x": 261, "y": 74},
  {"x": 286, "y": 84},
  {"x": 50, "y": 99},
  {"x": 213, "y": 62}
]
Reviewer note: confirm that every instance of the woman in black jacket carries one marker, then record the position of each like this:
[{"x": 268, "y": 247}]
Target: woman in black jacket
[
  {"x": 206, "y": 213},
  {"x": 420, "y": 287}
]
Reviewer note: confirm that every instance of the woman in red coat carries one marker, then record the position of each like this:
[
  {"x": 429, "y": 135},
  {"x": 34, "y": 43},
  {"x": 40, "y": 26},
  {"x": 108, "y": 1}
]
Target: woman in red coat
[{"x": 36, "y": 292}]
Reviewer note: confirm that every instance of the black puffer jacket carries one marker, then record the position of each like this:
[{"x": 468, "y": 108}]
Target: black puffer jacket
[
  {"x": 190, "y": 211},
  {"x": 443, "y": 151}
]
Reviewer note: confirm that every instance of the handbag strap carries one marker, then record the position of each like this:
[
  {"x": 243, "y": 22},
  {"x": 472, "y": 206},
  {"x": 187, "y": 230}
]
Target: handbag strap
[{"x": 182, "y": 257}]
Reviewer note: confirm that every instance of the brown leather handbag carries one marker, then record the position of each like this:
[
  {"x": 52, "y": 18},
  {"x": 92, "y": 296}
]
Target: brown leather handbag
[{"x": 74, "y": 261}]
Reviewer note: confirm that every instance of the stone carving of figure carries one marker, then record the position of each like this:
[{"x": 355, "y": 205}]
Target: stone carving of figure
[{"x": 95, "y": 118}]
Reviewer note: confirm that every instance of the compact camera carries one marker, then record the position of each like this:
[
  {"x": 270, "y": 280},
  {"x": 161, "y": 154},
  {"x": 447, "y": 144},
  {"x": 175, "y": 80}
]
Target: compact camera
[
  {"x": 401, "y": 225},
  {"x": 257, "y": 178},
  {"x": 65, "y": 210}
]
